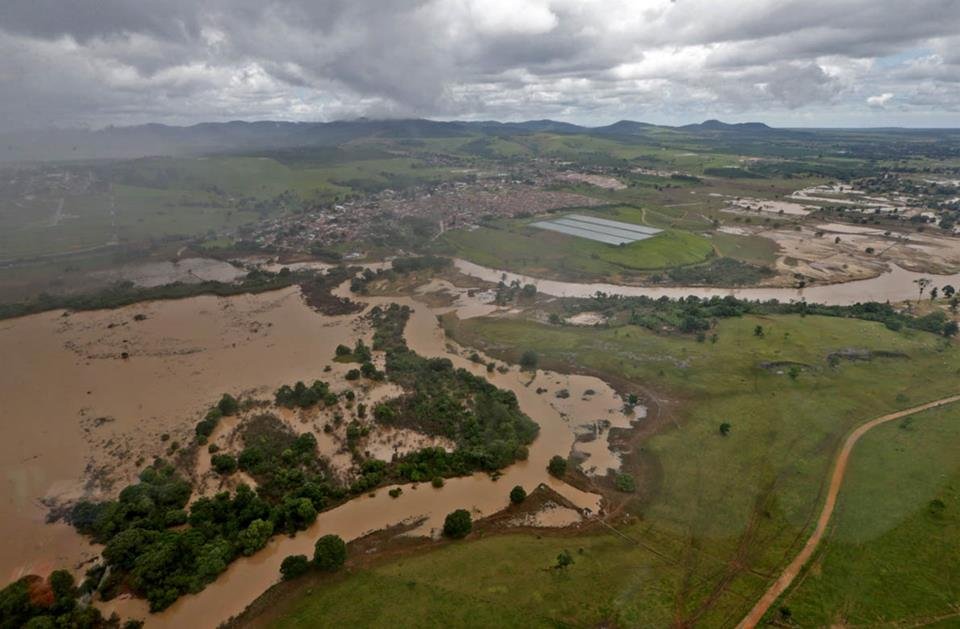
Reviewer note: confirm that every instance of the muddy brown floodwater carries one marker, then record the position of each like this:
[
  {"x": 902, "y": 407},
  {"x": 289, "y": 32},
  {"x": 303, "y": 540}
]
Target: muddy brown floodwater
[
  {"x": 895, "y": 285},
  {"x": 108, "y": 415}
]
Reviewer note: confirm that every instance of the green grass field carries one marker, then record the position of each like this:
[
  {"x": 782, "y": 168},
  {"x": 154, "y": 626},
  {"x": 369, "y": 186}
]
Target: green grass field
[
  {"x": 515, "y": 246},
  {"x": 892, "y": 554},
  {"x": 723, "y": 513}
]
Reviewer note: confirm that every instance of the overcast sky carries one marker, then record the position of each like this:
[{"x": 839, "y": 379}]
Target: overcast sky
[{"x": 786, "y": 62}]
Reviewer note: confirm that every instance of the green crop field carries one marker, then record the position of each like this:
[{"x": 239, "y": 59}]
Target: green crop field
[
  {"x": 893, "y": 550},
  {"x": 515, "y": 246},
  {"x": 722, "y": 513}
]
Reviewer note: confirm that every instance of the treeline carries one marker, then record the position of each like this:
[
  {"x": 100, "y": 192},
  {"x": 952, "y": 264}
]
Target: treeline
[
  {"x": 56, "y": 601},
  {"x": 400, "y": 266},
  {"x": 127, "y": 293},
  {"x": 694, "y": 315},
  {"x": 485, "y": 422}
]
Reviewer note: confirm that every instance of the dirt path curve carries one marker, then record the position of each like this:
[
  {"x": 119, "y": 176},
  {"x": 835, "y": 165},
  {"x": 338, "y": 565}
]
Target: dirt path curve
[{"x": 839, "y": 470}]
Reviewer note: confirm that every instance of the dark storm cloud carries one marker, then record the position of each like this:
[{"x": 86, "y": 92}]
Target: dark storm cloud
[{"x": 125, "y": 61}]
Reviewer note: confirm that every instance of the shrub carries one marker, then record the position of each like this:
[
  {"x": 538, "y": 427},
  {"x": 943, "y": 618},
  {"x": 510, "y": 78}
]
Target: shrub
[
  {"x": 224, "y": 463},
  {"x": 437, "y": 481},
  {"x": 294, "y": 566},
  {"x": 457, "y": 524},
  {"x": 557, "y": 466},
  {"x": 529, "y": 360},
  {"x": 517, "y": 495},
  {"x": 228, "y": 405},
  {"x": 625, "y": 483},
  {"x": 353, "y": 374},
  {"x": 329, "y": 553},
  {"x": 395, "y": 492}
]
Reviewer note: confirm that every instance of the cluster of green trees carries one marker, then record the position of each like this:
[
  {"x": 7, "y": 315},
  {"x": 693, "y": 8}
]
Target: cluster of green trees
[
  {"x": 126, "y": 293},
  {"x": 303, "y": 396},
  {"x": 226, "y": 407},
  {"x": 399, "y": 266},
  {"x": 359, "y": 354},
  {"x": 485, "y": 422},
  {"x": 695, "y": 315},
  {"x": 329, "y": 555},
  {"x": 52, "y": 602}
]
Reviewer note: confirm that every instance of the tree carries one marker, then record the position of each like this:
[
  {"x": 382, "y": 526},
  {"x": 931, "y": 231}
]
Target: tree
[
  {"x": 758, "y": 331},
  {"x": 948, "y": 291},
  {"x": 457, "y": 524},
  {"x": 223, "y": 463},
  {"x": 725, "y": 428},
  {"x": 557, "y": 466},
  {"x": 329, "y": 553},
  {"x": 342, "y": 350},
  {"x": 564, "y": 560},
  {"x": 793, "y": 372},
  {"x": 255, "y": 536},
  {"x": 294, "y": 566},
  {"x": 228, "y": 405},
  {"x": 529, "y": 360},
  {"x": 529, "y": 291},
  {"x": 950, "y": 328},
  {"x": 933, "y": 293},
  {"x": 518, "y": 494},
  {"x": 922, "y": 284},
  {"x": 625, "y": 483}
]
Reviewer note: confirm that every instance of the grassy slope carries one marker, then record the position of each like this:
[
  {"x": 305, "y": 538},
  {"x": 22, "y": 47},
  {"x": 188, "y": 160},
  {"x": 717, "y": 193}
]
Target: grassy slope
[
  {"x": 888, "y": 556},
  {"x": 716, "y": 503}
]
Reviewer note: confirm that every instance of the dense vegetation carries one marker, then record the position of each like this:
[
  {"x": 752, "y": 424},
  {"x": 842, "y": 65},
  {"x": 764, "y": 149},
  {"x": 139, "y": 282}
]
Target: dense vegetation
[
  {"x": 126, "y": 293},
  {"x": 695, "y": 315},
  {"x": 485, "y": 422},
  {"x": 52, "y": 602}
]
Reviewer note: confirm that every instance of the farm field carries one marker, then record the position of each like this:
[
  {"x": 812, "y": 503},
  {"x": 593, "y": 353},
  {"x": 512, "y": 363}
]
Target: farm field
[
  {"x": 894, "y": 545},
  {"x": 513, "y": 245}
]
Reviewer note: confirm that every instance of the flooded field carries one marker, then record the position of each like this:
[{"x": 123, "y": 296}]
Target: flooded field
[
  {"x": 188, "y": 271},
  {"x": 132, "y": 381}
]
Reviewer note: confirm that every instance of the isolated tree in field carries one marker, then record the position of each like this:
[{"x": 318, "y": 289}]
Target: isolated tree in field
[
  {"x": 922, "y": 284},
  {"x": 329, "y": 553},
  {"x": 518, "y": 494},
  {"x": 625, "y": 483},
  {"x": 294, "y": 566},
  {"x": 793, "y": 372},
  {"x": 725, "y": 428},
  {"x": 758, "y": 331},
  {"x": 529, "y": 360},
  {"x": 457, "y": 524},
  {"x": 557, "y": 466},
  {"x": 564, "y": 560}
]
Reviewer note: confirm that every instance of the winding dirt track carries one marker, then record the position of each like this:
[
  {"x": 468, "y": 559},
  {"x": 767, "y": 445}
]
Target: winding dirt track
[{"x": 839, "y": 470}]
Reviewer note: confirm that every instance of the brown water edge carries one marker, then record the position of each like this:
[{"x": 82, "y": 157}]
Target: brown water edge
[
  {"x": 103, "y": 419},
  {"x": 894, "y": 286},
  {"x": 72, "y": 407},
  {"x": 248, "y": 577}
]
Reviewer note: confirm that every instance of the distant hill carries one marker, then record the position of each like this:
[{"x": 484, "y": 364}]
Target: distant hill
[
  {"x": 237, "y": 136},
  {"x": 716, "y": 125}
]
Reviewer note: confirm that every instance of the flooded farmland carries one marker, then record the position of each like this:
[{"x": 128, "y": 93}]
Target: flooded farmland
[{"x": 112, "y": 414}]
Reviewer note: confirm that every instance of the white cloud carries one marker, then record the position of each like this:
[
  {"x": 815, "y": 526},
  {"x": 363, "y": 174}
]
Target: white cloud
[{"x": 880, "y": 100}]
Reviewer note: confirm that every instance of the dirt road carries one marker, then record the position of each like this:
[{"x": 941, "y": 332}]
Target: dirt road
[{"x": 839, "y": 470}]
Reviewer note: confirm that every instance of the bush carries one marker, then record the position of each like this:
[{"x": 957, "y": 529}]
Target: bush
[
  {"x": 557, "y": 466},
  {"x": 437, "y": 481},
  {"x": 353, "y": 374},
  {"x": 529, "y": 360},
  {"x": 395, "y": 492},
  {"x": 329, "y": 553},
  {"x": 457, "y": 524},
  {"x": 294, "y": 566},
  {"x": 625, "y": 483},
  {"x": 224, "y": 463},
  {"x": 228, "y": 405},
  {"x": 255, "y": 536},
  {"x": 518, "y": 494}
]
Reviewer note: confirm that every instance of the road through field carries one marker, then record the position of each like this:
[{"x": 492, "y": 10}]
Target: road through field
[{"x": 839, "y": 470}]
